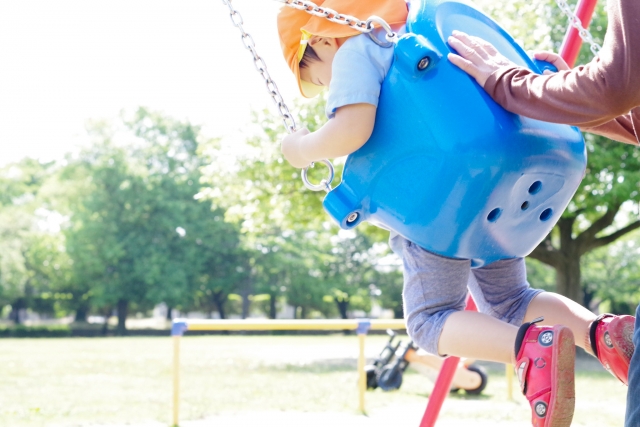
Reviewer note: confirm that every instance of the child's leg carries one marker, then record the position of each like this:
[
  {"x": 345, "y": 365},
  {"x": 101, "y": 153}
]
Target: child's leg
[
  {"x": 479, "y": 336},
  {"x": 559, "y": 310},
  {"x": 607, "y": 337},
  {"x": 544, "y": 355},
  {"x": 434, "y": 296},
  {"x": 502, "y": 294}
]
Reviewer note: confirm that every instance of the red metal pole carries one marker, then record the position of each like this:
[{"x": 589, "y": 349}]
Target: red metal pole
[
  {"x": 572, "y": 42},
  {"x": 443, "y": 383}
]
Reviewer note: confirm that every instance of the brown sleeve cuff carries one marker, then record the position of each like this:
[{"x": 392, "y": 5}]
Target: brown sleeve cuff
[{"x": 624, "y": 128}]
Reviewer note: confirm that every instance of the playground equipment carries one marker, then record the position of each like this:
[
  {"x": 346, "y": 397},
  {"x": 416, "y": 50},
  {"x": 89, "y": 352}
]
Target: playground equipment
[
  {"x": 387, "y": 370},
  {"x": 488, "y": 187},
  {"x": 472, "y": 175},
  {"x": 361, "y": 326}
]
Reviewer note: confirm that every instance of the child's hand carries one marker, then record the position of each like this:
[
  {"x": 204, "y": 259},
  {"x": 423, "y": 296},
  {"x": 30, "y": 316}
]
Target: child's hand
[
  {"x": 476, "y": 56},
  {"x": 292, "y": 148},
  {"x": 553, "y": 58}
]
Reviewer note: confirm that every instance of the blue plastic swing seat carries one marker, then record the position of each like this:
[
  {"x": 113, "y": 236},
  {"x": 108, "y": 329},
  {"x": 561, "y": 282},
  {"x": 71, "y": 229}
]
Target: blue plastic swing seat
[{"x": 448, "y": 168}]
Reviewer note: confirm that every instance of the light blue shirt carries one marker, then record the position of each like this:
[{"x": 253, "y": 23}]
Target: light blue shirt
[{"x": 358, "y": 70}]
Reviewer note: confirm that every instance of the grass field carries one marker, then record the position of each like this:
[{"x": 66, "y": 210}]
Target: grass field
[{"x": 228, "y": 380}]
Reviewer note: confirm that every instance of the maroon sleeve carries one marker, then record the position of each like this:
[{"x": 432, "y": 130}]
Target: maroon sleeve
[
  {"x": 587, "y": 96},
  {"x": 620, "y": 129}
]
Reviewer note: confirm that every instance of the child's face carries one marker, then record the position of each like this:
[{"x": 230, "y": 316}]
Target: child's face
[{"x": 319, "y": 72}]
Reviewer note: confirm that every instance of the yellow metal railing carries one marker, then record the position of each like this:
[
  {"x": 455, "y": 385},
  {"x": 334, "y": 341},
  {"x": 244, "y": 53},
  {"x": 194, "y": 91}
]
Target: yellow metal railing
[{"x": 361, "y": 326}]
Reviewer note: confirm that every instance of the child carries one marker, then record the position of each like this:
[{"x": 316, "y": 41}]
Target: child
[{"x": 321, "y": 54}]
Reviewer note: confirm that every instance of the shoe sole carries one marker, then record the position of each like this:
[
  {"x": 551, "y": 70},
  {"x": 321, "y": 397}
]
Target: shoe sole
[
  {"x": 621, "y": 332},
  {"x": 563, "y": 395}
]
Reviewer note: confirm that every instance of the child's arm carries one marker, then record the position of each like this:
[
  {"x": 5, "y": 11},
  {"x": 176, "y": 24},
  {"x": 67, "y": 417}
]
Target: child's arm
[{"x": 342, "y": 135}]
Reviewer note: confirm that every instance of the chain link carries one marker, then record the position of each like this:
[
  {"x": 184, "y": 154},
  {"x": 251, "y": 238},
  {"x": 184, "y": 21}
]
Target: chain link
[
  {"x": 339, "y": 18},
  {"x": 261, "y": 67},
  {"x": 575, "y": 22}
]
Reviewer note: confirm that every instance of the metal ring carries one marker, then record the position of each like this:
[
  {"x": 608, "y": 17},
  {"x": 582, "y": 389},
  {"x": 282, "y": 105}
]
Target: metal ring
[
  {"x": 324, "y": 184},
  {"x": 391, "y": 36}
]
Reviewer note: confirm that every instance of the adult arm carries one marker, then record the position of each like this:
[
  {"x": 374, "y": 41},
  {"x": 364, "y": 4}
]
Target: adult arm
[
  {"x": 604, "y": 92},
  {"x": 589, "y": 95},
  {"x": 619, "y": 129}
]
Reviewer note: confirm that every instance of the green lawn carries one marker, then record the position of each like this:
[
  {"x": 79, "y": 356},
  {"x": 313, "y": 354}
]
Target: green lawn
[{"x": 127, "y": 381}]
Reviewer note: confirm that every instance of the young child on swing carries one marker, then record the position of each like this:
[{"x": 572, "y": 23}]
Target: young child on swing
[{"x": 506, "y": 329}]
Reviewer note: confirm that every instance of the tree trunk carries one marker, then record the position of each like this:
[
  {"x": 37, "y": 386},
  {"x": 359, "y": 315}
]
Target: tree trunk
[
  {"x": 303, "y": 312},
  {"x": 246, "y": 304},
  {"x": 272, "y": 306},
  {"x": 81, "y": 313},
  {"x": 568, "y": 279},
  {"x": 218, "y": 300},
  {"x": 169, "y": 313},
  {"x": 105, "y": 325},
  {"x": 16, "y": 307},
  {"x": 343, "y": 306},
  {"x": 398, "y": 312},
  {"x": 589, "y": 295},
  {"x": 123, "y": 308}
]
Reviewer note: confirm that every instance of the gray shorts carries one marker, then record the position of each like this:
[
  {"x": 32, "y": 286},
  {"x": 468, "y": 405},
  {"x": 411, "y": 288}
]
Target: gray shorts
[{"x": 435, "y": 287}]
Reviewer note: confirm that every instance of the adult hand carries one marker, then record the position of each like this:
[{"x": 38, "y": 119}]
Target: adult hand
[
  {"x": 476, "y": 56},
  {"x": 552, "y": 58},
  {"x": 292, "y": 148}
]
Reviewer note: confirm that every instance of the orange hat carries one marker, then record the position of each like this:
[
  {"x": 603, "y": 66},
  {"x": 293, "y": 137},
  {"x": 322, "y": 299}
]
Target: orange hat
[{"x": 296, "y": 27}]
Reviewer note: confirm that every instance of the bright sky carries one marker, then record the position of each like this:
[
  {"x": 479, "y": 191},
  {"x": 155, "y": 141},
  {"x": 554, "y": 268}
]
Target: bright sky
[{"x": 65, "y": 61}]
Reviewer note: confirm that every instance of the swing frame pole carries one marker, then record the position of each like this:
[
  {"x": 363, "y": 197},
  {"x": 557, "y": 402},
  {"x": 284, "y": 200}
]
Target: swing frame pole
[{"x": 572, "y": 42}]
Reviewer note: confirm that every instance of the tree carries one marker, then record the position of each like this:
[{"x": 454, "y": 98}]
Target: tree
[
  {"x": 611, "y": 276},
  {"x": 136, "y": 234},
  {"x": 296, "y": 253},
  {"x": 27, "y": 247}
]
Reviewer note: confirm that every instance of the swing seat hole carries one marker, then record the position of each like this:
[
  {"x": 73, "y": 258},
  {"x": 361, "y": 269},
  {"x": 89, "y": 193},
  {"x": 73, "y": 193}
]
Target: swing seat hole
[
  {"x": 535, "y": 187},
  {"x": 546, "y": 214},
  {"x": 494, "y": 215},
  {"x": 524, "y": 206}
]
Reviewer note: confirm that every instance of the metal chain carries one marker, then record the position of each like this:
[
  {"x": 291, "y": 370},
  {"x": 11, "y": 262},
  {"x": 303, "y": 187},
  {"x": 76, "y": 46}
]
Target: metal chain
[
  {"x": 272, "y": 88},
  {"x": 575, "y": 22},
  {"x": 340, "y": 18},
  {"x": 261, "y": 67}
]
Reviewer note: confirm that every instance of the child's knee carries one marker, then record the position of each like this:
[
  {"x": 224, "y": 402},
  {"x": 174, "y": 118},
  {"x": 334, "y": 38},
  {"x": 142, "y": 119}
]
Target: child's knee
[{"x": 425, "y": 328}]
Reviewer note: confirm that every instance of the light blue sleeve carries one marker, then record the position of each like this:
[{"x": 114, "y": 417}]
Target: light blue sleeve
[{"x": 358, "y": 70}]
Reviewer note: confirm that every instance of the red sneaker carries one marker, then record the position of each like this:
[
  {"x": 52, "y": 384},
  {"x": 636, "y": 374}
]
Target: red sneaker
[
  {"x": 545, "y": 363},
  {"x": 612, "y": 343}
]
